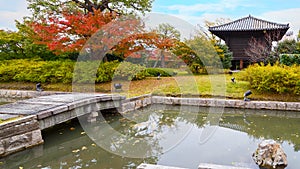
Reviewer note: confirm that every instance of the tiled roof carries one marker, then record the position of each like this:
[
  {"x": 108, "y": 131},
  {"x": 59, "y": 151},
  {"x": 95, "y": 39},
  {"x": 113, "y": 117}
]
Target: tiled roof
[{"x": 247, "y": 24}]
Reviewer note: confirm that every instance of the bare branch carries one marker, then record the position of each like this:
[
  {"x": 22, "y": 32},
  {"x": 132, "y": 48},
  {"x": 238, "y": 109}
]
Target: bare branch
[{"x": 260, "y": 49}]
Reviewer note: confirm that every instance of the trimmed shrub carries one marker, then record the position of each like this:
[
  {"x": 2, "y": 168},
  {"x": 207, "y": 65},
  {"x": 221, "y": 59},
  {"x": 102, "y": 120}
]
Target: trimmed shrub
[
  {"x": 277, "y": 78},
  {"x": 290, "y": 59},
  {"x": 36, "y": 71},
  {"x": 106, "y": 71},
  {"x": 130, "y": 71},
  {"x": 94, "y": 72},
  {"x": 164, "y": 72},
  {"x": 22, "y": 70}
]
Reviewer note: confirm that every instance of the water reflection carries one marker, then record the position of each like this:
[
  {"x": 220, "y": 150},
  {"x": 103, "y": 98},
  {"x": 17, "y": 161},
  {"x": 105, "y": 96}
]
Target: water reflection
[
  {"x": 68, "y": 145},
  {"x": 143, "y": 133}
]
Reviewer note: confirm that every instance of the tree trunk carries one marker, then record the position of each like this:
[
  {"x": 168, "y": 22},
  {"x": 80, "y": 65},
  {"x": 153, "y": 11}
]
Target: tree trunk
[
  {"x": 156, "y": 62},
  {"x": 163, "y": 63}
]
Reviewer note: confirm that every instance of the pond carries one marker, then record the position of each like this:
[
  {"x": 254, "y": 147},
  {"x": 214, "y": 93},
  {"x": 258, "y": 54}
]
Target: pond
[{"x": 174, "y": 138}]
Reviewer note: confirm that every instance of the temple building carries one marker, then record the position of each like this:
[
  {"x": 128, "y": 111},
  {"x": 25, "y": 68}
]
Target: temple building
[{"x": 239, "y": 34}]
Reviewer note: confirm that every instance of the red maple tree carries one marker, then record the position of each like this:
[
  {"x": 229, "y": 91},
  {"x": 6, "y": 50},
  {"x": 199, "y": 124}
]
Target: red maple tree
[
  {"x": 97, "y": 30},
  {"x": 69, "y": 31}
]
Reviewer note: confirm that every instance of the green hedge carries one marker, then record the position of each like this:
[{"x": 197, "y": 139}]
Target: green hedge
[
  {"x": 22, "y": 70},
  {"x": 164, "y": 72},
  {"x": 130, "y": 71},
  {"x": 36, "y": 71},
  {"x": 290, "y": 59},
  {"x": 277, "y": 78},
  {"x": 94, "y": 72}
]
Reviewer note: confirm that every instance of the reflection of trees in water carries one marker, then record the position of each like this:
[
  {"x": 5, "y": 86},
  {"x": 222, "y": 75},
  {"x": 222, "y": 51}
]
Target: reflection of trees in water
[
  {"x": 58, "y": 150},
  {"x": 277, "y": 125},
  {"x": 139, "y": 133},
  {"x": 70, "y": 149},
  {"x": 268, "y": 126}
]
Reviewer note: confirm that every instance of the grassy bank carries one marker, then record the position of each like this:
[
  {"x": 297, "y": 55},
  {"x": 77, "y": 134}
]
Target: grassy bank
[{"x": 172, "y": 86}]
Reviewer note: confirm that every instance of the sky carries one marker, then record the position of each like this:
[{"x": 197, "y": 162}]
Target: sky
[{"x": 194, "y": 12}]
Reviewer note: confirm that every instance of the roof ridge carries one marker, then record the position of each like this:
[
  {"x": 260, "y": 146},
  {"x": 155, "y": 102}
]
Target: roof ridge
[
  {"x": 249, "y": 23},
  {"x": 267, "y": 21},
  {"x": 228, "y": 23}
]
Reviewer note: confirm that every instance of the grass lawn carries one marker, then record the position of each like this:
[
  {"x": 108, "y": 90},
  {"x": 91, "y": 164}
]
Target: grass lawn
[{"x": 190, "y": 86}]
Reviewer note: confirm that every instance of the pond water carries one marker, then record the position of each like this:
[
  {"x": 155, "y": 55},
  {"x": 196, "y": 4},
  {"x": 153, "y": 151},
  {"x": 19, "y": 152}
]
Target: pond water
[{"x": 173, "y": 138}]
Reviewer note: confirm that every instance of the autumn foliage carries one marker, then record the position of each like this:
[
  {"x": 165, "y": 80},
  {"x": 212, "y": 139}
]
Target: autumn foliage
[{"x": 70, "y": 31}]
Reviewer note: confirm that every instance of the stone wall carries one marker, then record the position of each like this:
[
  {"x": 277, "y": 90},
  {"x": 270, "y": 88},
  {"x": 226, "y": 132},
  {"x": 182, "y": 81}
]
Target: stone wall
[
  {"x": 145, "y": 100},
  {"x": 135, "y": 103},
  {"x": 210, "y": 102},
  {"x": 63, "y": 113},
  {"x": 24, "y": 94},
  {"x": 19, "y": 134}
]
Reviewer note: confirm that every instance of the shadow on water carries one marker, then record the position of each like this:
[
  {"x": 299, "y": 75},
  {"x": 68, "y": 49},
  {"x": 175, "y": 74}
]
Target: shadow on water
[{"x": 239, "y": 132}]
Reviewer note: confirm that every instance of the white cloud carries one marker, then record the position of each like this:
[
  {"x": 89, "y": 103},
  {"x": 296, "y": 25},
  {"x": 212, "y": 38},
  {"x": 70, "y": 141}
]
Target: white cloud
[
  {"x": 290, "y": 16},
  {"x": 285, "y": 16},
  {"x": 200, "y": 19},
  {"x": 186, "y": 29},
  {"x": 221, "y": 6},
  {"x": 11, "y": 11}
]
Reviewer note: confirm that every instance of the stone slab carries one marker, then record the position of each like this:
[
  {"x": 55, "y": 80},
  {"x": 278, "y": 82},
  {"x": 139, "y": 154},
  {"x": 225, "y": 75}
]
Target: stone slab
[
  {"x": 13, "y": 111},
  {"x": 40, "y": 101},
  {"x": 24, "y": 108},
  {"x": 44, "y": 114},
  {"x": 18, "y": 126},
  {"x": 59, "y": 109},
  {"x": 215, "y": 166},
  {"x": 79, "y": 103},
  {"x": 7, "y": 116},
  {"x": 27, "y": 106},
  {"x": 20, "y": 142},
  {"x": 151, "y": 166}
]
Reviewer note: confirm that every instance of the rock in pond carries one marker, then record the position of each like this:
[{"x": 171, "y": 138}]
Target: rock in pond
[{"x": 270, "y": 155}]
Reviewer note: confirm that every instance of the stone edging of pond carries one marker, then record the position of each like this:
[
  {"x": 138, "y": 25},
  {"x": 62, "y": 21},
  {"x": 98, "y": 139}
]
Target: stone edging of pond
[
  {"x": 145, "y": 100},
  {"x": 25, "y": 132},
  {"x": 24, "y": 94},
  {"x": 19, "y": 134}
]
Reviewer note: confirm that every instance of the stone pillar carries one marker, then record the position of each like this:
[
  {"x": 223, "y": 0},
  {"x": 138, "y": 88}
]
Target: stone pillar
[{"x": 92, "y": 117}]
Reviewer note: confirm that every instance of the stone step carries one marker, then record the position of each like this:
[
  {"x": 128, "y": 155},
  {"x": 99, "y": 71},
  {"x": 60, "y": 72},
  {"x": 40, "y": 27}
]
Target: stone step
[{"x": 215, "y": 166}]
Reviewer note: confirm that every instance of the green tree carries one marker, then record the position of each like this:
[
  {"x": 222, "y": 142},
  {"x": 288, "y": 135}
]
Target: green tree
[
  {"x": 221, "y": 48},
  {"x": 287, "y": 47},
  {"x": 185, "y": 53},
  {"x": 167, "y": 37},
  {"x": 32, "y": 49},
  {"x": 40, "y": 8},
  {"x": 204, "y": 49},
  {"x": 298, "y": 42},
  {"x": 10, "y": 45},
  {"x": 224, "y": 54},
  {"x": 18, "y": 45}
]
